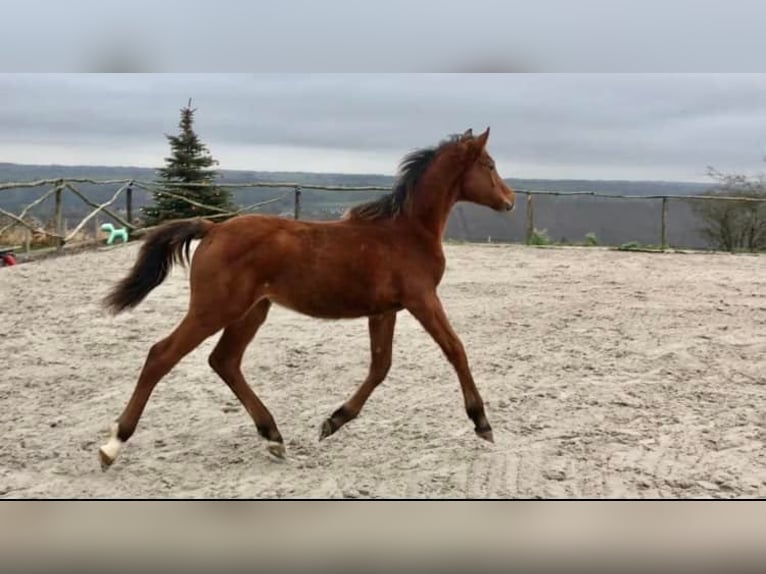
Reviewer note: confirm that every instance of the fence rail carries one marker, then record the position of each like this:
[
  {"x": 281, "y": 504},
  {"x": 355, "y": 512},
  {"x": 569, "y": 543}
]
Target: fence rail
[{"x": 126, "y": 187}]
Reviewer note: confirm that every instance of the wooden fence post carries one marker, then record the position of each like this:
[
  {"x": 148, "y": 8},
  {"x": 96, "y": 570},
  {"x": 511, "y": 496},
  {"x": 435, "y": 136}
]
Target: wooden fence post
[
  {"x": 297, "y": 202},
  {"x": 96, "y": 227},
  {"x": 663, "y": 225},
  {"x": 129, "y": 203},
  {"x": 530, "y": 217},
  {"x": 58, "y": 214}
]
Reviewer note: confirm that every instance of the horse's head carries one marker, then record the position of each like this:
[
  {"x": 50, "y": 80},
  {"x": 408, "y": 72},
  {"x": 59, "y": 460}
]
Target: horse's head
[{"x": 481, "y": 183}]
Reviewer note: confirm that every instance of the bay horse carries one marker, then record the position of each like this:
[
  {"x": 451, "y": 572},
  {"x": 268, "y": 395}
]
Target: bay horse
[{"x": 381, "y": 257}]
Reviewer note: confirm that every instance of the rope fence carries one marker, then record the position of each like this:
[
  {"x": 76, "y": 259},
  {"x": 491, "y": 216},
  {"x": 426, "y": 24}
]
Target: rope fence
[{"x": 126, "y": 187}]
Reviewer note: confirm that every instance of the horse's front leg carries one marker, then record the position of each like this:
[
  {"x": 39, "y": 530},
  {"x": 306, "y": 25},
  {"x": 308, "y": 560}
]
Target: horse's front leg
[{"x": 429, "y": 312}]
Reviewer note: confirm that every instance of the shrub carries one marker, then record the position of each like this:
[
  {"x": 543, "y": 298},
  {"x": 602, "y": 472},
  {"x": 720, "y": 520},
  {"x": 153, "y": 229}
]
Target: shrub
[{"x": 540, "y": 237}]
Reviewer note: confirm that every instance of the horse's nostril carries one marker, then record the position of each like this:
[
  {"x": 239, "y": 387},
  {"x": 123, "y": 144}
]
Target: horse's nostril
[{"x": 509, "y": 206}]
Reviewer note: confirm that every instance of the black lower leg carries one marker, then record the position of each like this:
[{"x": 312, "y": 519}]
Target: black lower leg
[
  {"x": 123, "y": 432},
  {"x": 336, "y": 420},
  {"x": 481, "y": 424},
  {"x": 269, "y": 432}
]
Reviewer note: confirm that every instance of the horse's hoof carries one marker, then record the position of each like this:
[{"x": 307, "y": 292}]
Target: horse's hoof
[
  {"x": 276, "y": 449},
  {"x": 326, "y": 429},
  {"x": 107, "y": 454},
  {"x": 105, "y": 460},
  {"x": 486, "y": 435}
]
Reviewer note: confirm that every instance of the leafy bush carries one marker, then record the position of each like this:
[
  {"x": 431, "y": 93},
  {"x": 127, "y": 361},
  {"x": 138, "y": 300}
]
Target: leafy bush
[{"x": 540, "y": 237}]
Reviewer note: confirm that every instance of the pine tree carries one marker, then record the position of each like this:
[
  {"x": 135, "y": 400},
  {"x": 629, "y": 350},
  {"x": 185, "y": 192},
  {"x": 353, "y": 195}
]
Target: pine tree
[{"x": 190, "y": 162}]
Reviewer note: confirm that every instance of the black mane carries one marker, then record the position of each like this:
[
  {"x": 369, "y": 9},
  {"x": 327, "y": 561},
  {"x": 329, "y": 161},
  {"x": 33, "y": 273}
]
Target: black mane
[{"x": 411, "y": 169}]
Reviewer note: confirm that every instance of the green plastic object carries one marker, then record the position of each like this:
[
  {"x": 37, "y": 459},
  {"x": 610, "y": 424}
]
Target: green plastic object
[{"x": 115, "y": 234}]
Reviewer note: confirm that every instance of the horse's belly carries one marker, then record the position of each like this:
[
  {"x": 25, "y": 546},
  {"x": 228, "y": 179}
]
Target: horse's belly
[
  {"x": 334, "y": 309},
  {"x": 329, "y": 300}
]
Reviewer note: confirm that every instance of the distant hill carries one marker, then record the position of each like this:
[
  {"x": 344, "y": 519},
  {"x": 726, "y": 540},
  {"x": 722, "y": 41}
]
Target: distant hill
[{"x": 614, "y": 221}]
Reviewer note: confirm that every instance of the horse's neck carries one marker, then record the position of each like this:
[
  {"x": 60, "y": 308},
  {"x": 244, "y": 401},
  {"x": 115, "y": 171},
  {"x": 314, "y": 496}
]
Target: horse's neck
[{"x": 433, "y": 200}]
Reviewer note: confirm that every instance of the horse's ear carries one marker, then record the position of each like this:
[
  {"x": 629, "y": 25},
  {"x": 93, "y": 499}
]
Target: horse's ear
[
  {"x": 467, "y": 135},
  {"x": 482, "y": 139},
  {"x": 476, "y": 146}
]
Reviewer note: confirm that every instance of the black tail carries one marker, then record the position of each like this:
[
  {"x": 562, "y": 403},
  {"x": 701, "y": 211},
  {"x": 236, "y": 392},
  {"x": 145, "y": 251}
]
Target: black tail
[{"x": 164, "y": 246}]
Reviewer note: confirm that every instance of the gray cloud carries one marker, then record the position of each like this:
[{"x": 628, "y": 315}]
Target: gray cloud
[{"x": 630, "y": 126}]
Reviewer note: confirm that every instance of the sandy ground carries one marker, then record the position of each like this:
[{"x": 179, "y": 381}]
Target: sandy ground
[{"x": 605, "y": 374}]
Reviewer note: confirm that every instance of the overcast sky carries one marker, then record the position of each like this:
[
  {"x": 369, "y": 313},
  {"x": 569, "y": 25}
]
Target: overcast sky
[
  {"x": 600, "y": 126},
  {"x": 384, "y": 35}
]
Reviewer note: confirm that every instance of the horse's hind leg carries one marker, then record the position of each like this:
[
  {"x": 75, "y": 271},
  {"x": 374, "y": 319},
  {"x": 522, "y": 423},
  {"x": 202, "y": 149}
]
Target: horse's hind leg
[
  {"x": 163, "y": 356},
  {"x": 381, "y": 344},
  {"x": 226, "y": 360}
]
